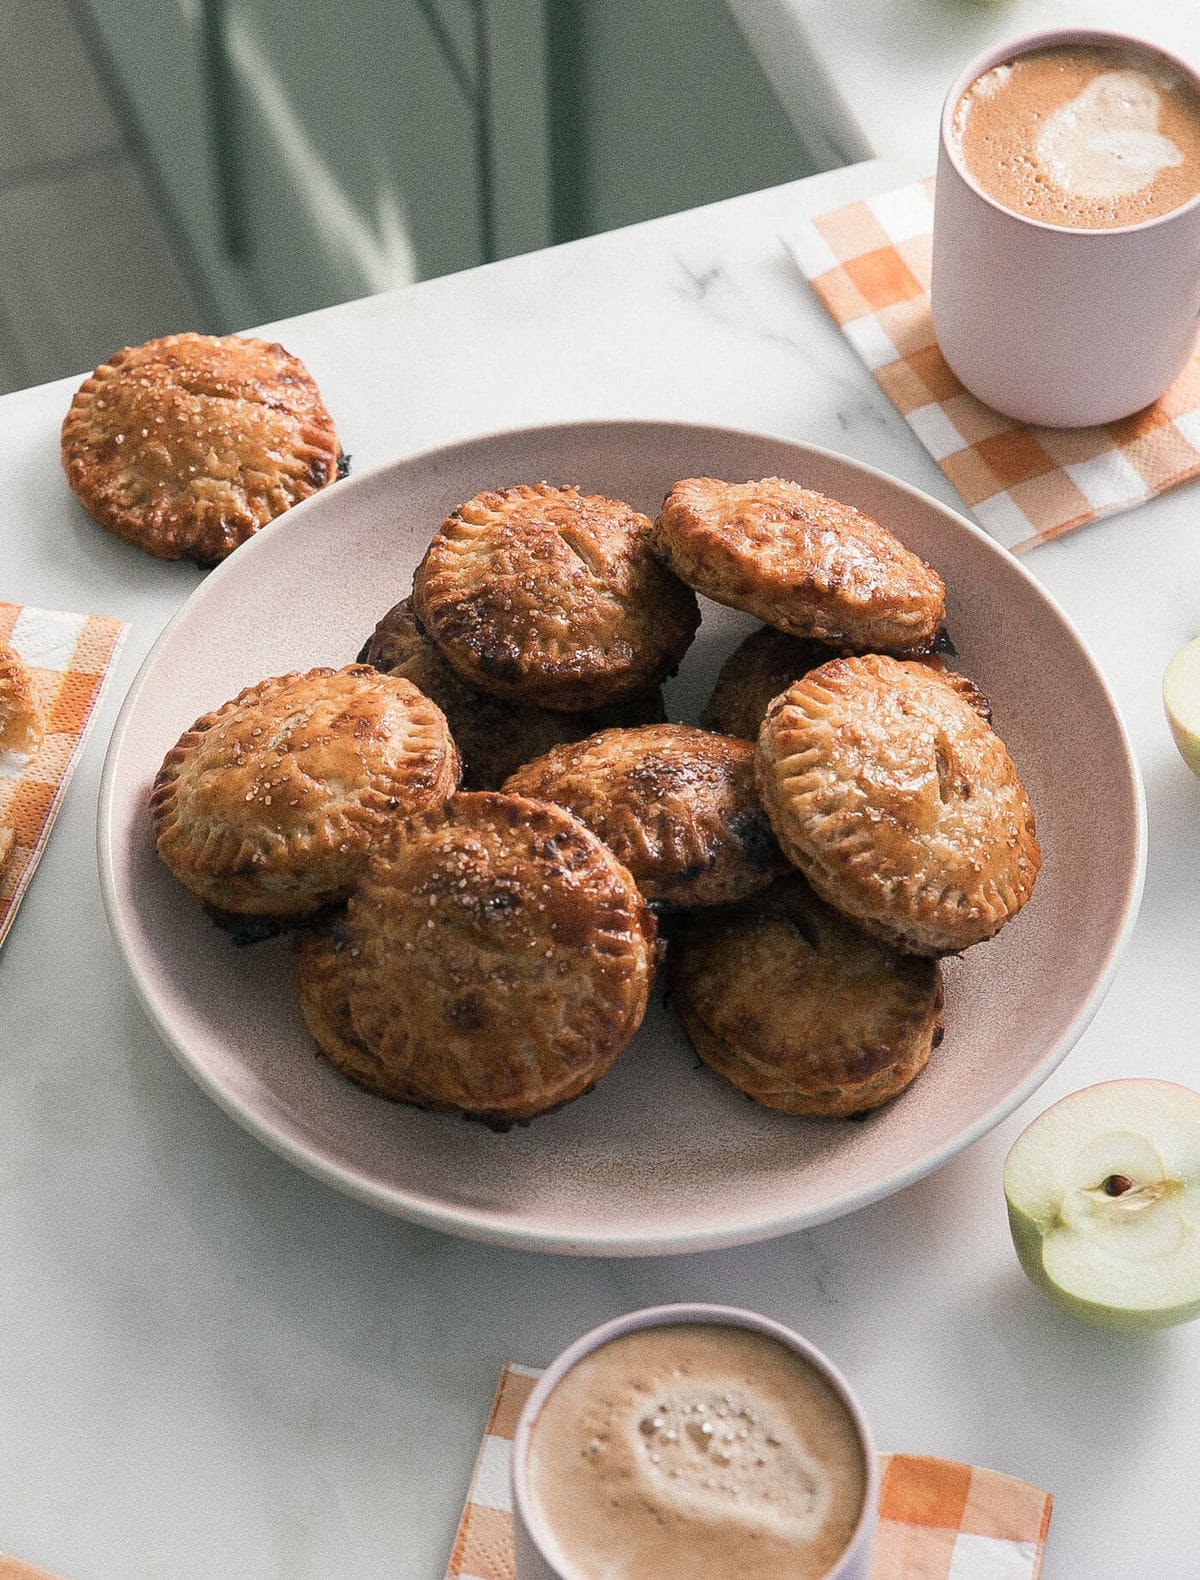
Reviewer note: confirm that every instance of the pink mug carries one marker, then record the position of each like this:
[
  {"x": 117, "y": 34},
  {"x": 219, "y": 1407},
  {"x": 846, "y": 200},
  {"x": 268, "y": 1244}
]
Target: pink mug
[
  {"x": 536, "y": 1554},
  {"x": 1054, "y": 326}
]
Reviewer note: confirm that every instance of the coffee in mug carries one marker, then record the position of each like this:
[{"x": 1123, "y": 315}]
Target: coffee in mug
[
  {"x": 1082, "y": 136},
  {"x": 1066, "y": 232},
  {"x": 695, "y": 1449}
]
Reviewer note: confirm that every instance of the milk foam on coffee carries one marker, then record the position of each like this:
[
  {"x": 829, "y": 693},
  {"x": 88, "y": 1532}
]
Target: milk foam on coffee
[
  {"x": 1082, "y": 137},
  {"x": 1105, "y": 142},
  {"x": 684, "y": 1451}
]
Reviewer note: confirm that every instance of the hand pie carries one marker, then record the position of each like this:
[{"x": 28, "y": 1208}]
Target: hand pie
[
  {"x": 754, "y": 674},
  {"x": 499, "y": 957},
  {"x": 800, "y": 1009},
  {"x": 804, "y": 563},
  {"x": 898, "y": 803},
  {"x": 493, "y": 737},
  {"x": 317, "y": 971},
  {"x": 677, "y": 805},
  {"x": 552, "y": 598},
  {"x": 266, "y": 807},
  {"x": 186, "y": 446},
  {"x": 7, "y": 840},
  {"x": 20, "y": 712}
]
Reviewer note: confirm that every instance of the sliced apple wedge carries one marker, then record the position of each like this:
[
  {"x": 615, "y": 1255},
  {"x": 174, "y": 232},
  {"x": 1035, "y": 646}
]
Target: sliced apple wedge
[
  {"x": 1181, "y": 699},
  {"x": 1103, "y": 1194}
]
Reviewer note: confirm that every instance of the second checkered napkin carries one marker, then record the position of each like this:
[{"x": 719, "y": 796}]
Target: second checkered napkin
[
  {"x": 69, "y": 657},
  {"x": 938, "y": 1520},
  {"x": 870, "y": 265}
]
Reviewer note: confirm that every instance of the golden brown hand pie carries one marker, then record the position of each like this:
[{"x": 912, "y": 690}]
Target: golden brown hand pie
[
  {"x": 7, "y": 841},
  {"x": 804, "y": 563},
  {"x": 552, "y": 598},
  {"x": 186, "y": 446},
  {"x": 266, "y": 806},
  {"x": 317, "y": 951},
  {"x": 800, "y": 1009},
  {"x": 677, "y": 805},
  {"x": 898, "y": 803},
  {"x": 20, "y": 711},
  {"x": 493, "y": 737},
  {"x": 754, "y": 674},
  {"x": 500, "y": 957}
]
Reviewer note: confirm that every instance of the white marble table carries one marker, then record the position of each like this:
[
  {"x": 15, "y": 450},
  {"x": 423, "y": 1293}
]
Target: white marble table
[{"x": 210, "y": 1364}]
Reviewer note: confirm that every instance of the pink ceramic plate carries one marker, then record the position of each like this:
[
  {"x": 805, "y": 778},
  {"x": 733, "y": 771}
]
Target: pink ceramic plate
[{"x": 661, "y": 1156}]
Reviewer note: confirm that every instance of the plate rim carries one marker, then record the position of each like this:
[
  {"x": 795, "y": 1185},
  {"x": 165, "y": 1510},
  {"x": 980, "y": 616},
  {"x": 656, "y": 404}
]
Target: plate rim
[{"x": 462, "y": 1222}]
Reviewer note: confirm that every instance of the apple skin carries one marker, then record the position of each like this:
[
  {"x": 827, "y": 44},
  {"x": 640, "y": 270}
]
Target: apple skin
[
  {"x": 1028, "y": 1232},
  {"x": 1181, "y": 701}
]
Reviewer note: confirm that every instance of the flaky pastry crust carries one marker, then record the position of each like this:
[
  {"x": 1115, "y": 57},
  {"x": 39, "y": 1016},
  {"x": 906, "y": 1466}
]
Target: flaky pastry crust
[
  {"x": 957, "y": 681},
  {"x": 552, "y": 598},
  {"x": 677, "y": 805},
  {"x": 899, "y": 803},
  {"x": 802, "y": 562},
  {"x": 267, "y": 806},
  {"x": 493, "y": 737},
  {"x": 20, "y": 711},
  {"x": 800, "y": 1009},
  {"x": 317, "y": 973},
  {"x": 500, "y": 957},
  {"x": 187, "y": 445},
  {"x": 757, "y": 670}
]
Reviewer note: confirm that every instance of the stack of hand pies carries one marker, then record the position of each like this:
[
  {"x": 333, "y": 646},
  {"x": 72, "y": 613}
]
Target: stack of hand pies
[{"x": 845, "y": 816}]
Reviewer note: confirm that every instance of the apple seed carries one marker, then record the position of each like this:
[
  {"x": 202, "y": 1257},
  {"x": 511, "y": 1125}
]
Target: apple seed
[{"x": 1131, "y": 1196}]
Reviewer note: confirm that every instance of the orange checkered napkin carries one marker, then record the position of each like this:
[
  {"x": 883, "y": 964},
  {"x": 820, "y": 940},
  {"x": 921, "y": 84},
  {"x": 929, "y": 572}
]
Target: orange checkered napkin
[
  {"x": 69, "y": 657},
  {"x": 938, "y": 1520},
  {"x": 870, "y": 265},
  {"x": 14, "y": 1569}
]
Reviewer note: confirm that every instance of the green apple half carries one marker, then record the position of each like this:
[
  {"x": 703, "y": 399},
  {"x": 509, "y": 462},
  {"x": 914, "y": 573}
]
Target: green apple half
[
  {"x": 1103, "y": 1196},
  {"x": 1181, "y": 698}
]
